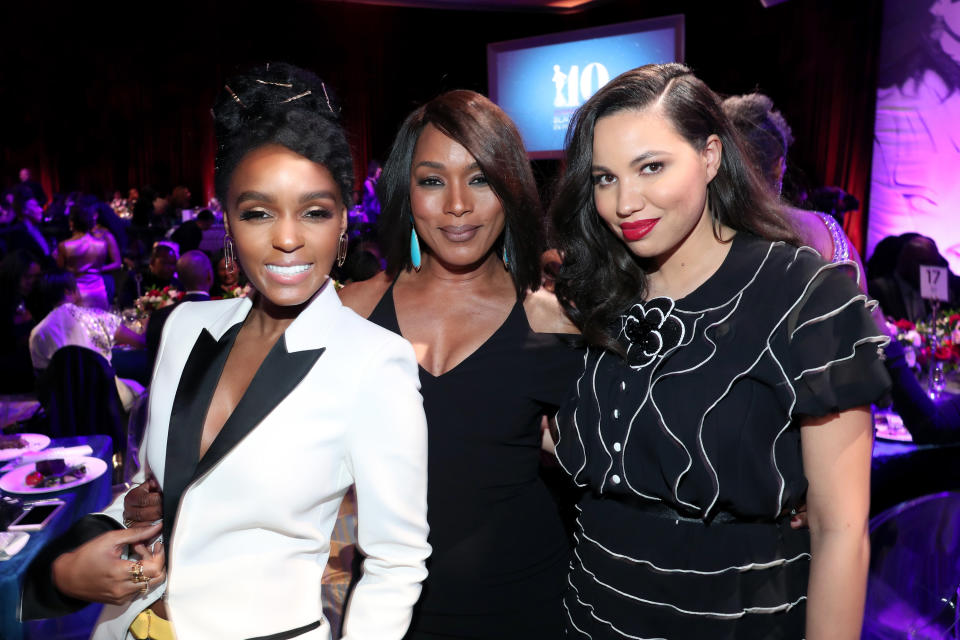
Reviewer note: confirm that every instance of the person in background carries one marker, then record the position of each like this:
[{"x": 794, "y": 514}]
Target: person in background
[
  {"x": 36, "y": 189},
  {"x": 86, "y": 256},
  {"x": 195, "y": 275},
  {"x": 109, "y": 222},
  {"x": 768, "y": 138},
  {"x": 360, "y": 265},
  {"x": 159, "y": 273},
  {"x": 369, "y": 202},
  {"x": 65, "y": 322},
  {"x": 928, "y": 421},
  {"x": 899, "y": 292},
  {"x": 227, "y": 277},
  {"x": 29, "y": 215},
  {"x": 189, "y": 235},
  {"x": 19, "y": 272}
]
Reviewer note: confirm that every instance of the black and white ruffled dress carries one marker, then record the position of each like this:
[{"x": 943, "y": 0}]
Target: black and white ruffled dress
[{"x": 691, "y": 448}]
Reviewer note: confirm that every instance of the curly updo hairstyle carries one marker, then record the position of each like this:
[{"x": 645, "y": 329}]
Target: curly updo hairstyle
[
  {"x": 764, "y": 130},
  {"x": 488, "y": 134},
  {"x": 279, "y": 103},
  {"x": 600, "y": 276},
  {"x": 83, "y": 216}
]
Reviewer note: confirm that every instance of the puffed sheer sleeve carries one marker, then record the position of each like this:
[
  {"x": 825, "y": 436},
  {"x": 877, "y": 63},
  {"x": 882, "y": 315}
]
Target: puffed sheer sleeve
[
  {"x": 388, "y": 456},
  {"x": 835, "y": 350}
]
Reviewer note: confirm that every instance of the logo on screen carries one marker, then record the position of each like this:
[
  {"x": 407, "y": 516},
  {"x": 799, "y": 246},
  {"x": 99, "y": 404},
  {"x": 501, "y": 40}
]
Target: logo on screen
[{"x": 576, "y": 86}]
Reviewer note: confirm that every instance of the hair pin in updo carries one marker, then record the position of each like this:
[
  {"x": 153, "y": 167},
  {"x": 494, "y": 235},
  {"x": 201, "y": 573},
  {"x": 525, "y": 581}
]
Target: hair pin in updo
[
  {"x": 285, "y": 85},
  {"x": 296, "y": 97},
  {"x": 234, "y": 96},
  {"x": 326, "y": 96}
]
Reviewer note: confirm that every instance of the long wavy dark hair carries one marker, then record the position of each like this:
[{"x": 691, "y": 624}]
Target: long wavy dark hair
[
  {"x": 600, "y": 276},
  {"x": 484, "y": 130}
]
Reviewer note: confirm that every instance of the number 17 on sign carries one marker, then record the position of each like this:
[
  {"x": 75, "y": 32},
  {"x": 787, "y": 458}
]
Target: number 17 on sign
[{"x": 933, "y": 283}]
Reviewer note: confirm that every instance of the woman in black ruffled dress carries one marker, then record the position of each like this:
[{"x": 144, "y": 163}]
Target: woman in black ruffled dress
[{"x": 727, "y": 383}]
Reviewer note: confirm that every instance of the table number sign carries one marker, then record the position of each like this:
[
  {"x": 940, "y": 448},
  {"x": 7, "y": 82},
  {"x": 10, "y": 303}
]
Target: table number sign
[{"x": 933, "y": 283}]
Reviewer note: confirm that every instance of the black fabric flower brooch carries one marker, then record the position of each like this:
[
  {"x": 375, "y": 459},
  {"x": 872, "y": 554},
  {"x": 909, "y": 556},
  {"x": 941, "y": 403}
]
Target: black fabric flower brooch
[{"x": 650, "y": 330}]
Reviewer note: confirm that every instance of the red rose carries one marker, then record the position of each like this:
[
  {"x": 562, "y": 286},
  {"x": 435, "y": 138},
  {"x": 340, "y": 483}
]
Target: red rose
[
  {"x": 954, "y": 318},
  {"x": 944, "y": 353},
  {"x": 153, "y": 293},
  {"x": 905, "y": 325}
]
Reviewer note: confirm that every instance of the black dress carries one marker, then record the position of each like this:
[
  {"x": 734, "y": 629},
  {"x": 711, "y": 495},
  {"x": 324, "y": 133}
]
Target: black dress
[
  {"x": 691, "y": 448},
  {"x": 500, "y": 552}
]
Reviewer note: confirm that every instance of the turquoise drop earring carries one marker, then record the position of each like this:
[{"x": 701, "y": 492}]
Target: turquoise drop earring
[{"x": 414, "y": 248}]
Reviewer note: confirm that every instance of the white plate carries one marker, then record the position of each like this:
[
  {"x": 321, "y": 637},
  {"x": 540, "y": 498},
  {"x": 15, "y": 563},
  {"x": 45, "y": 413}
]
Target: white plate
[
  {"x": 16, "y": 480},
  {"x": 889, "y": 426},
  {"x": 35, "y": 442}
]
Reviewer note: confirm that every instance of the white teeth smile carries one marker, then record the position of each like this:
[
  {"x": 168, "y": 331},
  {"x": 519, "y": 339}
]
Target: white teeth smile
[{"x": 288, "y": 271}]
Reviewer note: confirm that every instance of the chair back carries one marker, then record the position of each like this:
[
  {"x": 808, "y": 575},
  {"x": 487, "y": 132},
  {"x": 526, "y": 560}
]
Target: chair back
[
  {"x": 914, "y": 580},
  {"x": 79, "y": 392}
]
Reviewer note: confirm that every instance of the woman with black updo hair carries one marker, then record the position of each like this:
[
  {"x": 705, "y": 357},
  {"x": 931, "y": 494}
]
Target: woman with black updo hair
[{"x": 263, "y": 412}]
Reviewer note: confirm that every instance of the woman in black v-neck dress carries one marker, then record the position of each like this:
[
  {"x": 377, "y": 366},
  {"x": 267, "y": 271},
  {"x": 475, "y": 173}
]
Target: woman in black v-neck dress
[{"x": 500, "y": 551}]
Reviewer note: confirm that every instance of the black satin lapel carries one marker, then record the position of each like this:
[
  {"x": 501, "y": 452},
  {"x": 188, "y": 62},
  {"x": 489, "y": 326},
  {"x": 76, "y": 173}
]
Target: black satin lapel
[
  {"x": 279, "y": 374},
  {"x": 190, "y": 404}
]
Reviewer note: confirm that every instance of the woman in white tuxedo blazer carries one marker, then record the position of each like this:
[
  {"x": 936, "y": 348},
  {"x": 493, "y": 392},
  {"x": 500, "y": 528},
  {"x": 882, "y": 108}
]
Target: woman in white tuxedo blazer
[{"x": 334, "y": 402}]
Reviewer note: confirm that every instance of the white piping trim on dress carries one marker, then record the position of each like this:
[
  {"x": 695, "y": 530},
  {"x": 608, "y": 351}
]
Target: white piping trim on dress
[
  {"x": 753, "y": 566},
  {"x": 786, "y": 606},
  {"x": 793, "y": 393},
  {"x": 570, "y": 615},
  {"x": 881, "y": 340},
  {"x": 596, "y": 398},
  {"x": 706, "y": 458},
  {"x": 738, "y": 296},
  {"x": 832, "y": 313},
  {"x": 556, "y": 453},
  {"x": 598, "y": 618},
  {"x": 650, "y": 385}
]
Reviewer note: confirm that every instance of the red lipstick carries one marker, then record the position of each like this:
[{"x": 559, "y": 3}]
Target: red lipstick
[{"x": 633, "y": 231}]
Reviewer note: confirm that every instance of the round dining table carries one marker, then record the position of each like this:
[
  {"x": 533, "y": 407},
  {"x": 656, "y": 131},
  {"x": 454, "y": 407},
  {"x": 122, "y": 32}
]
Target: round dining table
[{"x": 79, "y": 501}]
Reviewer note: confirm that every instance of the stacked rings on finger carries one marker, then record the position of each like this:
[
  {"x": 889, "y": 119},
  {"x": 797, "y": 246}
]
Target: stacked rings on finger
[{"x": 136, "y": 573}]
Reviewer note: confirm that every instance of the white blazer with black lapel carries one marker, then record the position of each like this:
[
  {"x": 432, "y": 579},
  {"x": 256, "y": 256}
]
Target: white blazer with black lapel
[{"x": 247, "y": 527}]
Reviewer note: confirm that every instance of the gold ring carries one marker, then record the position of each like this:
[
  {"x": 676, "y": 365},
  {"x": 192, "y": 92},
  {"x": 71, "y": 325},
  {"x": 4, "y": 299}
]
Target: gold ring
[
  {"x": 145, "y": 588},
  {"x": 136, "y": 572}
]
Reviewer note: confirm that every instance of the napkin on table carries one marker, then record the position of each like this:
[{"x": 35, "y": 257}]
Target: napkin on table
[{"x": 49, "y": 454}]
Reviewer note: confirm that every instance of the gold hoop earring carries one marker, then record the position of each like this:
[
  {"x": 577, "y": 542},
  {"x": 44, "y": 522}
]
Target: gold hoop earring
[{"x": 342, "y": 249}]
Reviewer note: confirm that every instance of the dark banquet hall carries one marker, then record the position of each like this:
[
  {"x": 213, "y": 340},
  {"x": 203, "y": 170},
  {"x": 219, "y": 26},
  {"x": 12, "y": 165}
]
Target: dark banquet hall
[{"x": 480, "y": 320}]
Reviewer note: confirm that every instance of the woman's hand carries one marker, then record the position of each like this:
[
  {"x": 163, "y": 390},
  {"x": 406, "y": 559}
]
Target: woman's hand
[
  {"x": 143, "y": 505},
  {"x": 95, "y": 572}
]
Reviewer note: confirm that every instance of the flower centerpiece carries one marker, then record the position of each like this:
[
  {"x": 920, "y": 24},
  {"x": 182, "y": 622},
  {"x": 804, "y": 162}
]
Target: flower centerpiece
[
  {"x": 929, "y": 342},
  {"x": 157, "y": 299},
  {"x": 236, "y": 292}
]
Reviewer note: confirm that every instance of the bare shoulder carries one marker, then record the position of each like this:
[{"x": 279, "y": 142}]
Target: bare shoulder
[
  {"x": 363, "y": 296},
  {"x": 813, "y": 231},
  {"x": 545, "y": 314}
]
